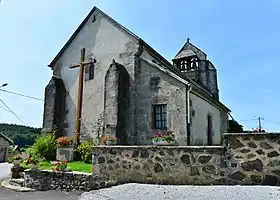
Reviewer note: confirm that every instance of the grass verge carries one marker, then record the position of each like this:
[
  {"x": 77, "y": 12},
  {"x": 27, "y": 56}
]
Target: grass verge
[{"x": 74, "y": 166}]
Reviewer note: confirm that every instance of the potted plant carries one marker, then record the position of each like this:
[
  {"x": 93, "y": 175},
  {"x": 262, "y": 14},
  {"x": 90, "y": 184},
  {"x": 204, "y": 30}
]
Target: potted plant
[
  {"x": 65, "y": 149},
  {"x": 165, "y": 138},
  {"x": 64, "y": 141},
  {"x": 109, "y": 140}
]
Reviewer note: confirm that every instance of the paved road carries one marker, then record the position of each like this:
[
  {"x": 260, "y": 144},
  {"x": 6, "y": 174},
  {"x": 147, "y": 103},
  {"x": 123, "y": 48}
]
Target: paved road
[
  {"x": 5, "y": 169},
  {"x": 166, "y": 192},
  {"x": 48, "y": 195}
]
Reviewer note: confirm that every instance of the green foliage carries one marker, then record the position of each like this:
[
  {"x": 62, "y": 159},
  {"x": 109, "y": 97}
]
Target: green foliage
[
  {"x": 74, "y": 166},
  {"x": 45, "y": 147},
  {"x": 21, "y": 135},
  {"x": 30, "y": 151},
  {"x": 85, "y": 149}
]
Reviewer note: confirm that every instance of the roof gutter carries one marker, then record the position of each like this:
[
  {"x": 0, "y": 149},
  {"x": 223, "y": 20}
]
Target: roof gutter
[{"x": 189, "y": 88}]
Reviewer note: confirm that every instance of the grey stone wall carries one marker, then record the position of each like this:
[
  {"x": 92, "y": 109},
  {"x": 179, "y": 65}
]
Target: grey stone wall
[
  {"x": 161, "y": 165},
  {"x": 245, "y": 159},
  {"x": 254, "y": 158},
  {"x": 43, "y": 180}
]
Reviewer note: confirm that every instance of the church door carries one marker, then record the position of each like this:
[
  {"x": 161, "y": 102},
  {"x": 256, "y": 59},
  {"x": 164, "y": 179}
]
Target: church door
[{"x": 209, "y": 130}]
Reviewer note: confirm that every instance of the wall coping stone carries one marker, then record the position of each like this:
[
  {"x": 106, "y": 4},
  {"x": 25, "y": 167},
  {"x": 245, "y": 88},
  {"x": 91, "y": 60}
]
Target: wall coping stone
[
  {"x": 160, "y": 147},
  {"x": 52, "y": 171},
  {"x": 206, "y": 149},
  {"x": 252, "y": 134}
]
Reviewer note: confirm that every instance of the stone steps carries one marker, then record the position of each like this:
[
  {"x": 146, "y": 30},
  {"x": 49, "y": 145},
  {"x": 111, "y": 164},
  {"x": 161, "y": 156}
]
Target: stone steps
[
  {"x": 16, "y": 182},
  {"x": 8, "y": 185}
]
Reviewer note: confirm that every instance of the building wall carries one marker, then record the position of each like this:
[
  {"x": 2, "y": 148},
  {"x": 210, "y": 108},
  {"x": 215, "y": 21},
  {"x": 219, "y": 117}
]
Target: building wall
[
  {"x": 168, "y": 91},
  {"x": 104, "y": 42},
  {"x": 4, "y": 145},
  {"x": 199, "y": 112}
]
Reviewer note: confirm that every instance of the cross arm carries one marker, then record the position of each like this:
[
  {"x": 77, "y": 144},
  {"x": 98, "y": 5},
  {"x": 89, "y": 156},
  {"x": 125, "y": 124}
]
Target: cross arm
[{"x": 81, "y": 64}]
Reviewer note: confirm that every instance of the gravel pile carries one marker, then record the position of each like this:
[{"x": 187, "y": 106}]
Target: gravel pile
[{"x": 165, "y": 192}]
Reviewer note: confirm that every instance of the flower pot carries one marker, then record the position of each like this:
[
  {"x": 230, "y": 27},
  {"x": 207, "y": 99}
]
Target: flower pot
[
  {"x": 163, "y": 142},
  {"x": 17, "y": 162}
]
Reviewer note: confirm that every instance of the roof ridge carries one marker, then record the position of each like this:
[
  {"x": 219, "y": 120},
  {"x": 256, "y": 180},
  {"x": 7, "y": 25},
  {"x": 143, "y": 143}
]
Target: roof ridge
[{"x": 82, "y": 25}]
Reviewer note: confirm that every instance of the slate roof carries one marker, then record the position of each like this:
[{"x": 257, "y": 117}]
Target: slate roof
[{"x": 185, "y": 53}]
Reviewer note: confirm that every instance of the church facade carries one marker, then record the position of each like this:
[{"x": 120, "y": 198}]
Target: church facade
[{"x": 131, "y": 91}]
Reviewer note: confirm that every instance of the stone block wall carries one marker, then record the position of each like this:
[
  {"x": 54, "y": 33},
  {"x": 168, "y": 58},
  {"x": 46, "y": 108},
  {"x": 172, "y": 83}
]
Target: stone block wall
[
  {"x": 43, "y": 180},
  {"x": 244, "y": 159},
  {"x": 162, "y": 165},
  {"x": 254, "y": 158}
]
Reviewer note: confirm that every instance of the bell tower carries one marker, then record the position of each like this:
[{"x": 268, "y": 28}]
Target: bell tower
[{"x": 193, "y": 63}]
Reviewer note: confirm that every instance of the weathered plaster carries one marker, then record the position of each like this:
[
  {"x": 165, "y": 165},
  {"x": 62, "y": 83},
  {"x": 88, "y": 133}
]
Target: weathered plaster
[
  {"x": 199, "y": 112},
  {"x": 169, "y": 91},
  {"x": 104, "y": 42}
]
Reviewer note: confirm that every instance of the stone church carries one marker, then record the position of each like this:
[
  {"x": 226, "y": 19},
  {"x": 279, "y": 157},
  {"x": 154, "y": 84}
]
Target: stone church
[{"x": 131, "y": 90}]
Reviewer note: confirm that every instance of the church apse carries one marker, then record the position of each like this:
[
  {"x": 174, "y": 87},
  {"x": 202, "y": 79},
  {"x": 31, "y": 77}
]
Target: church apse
[{"x": 116, "y": 101}]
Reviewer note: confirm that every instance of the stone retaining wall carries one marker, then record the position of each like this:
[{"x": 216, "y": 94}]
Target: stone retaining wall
[
  {"x": 254, "y": 158},
  {"x": 49, "y": 180},
  {"x": 244, "y": 159},
  {"x": 159, "y": 164}
]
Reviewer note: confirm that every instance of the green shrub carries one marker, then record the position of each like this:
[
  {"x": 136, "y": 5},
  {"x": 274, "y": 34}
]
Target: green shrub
[
  {"x": 85, "y": 150},
  {"x": 30, "y": 151},
  {"x": 45, "y": 147}
]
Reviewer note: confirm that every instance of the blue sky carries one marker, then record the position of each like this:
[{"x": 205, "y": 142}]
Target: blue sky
[{"x": 241, "y": 38}]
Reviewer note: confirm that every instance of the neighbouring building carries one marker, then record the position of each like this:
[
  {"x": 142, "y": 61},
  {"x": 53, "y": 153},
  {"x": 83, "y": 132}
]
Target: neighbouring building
[
  {"x": 131, "y": 90},
  {"x": 5, "y": 143}
]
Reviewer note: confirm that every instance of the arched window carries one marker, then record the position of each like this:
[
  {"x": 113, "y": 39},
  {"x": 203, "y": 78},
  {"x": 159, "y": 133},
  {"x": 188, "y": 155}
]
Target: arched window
[
  {"x": 183, "y": 66},
  {"x": 194, "y": 64}
]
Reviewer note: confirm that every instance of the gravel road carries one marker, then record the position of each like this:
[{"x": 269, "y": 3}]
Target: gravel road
[
  {"x": 47, "y": 195},
  {"x": 166, "y": 192}
]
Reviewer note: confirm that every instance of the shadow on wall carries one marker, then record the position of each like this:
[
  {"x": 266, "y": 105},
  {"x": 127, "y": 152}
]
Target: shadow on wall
[{"x": 116, "y": 97}]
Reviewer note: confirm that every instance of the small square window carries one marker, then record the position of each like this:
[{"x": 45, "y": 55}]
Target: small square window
[{"x": 159, "y": 117}]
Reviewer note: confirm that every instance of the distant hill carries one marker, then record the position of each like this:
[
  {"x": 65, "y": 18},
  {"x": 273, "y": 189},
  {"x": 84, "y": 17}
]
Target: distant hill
[{"x": 21, "y": 135}]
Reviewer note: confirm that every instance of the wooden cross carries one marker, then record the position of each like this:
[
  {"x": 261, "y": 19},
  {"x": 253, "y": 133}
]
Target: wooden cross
[{"x": 81, "y": 65}]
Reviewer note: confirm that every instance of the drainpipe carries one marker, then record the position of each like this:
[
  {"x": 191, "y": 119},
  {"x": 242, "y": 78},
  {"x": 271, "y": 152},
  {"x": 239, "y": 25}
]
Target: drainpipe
[{"x": 188, "y": 117}]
